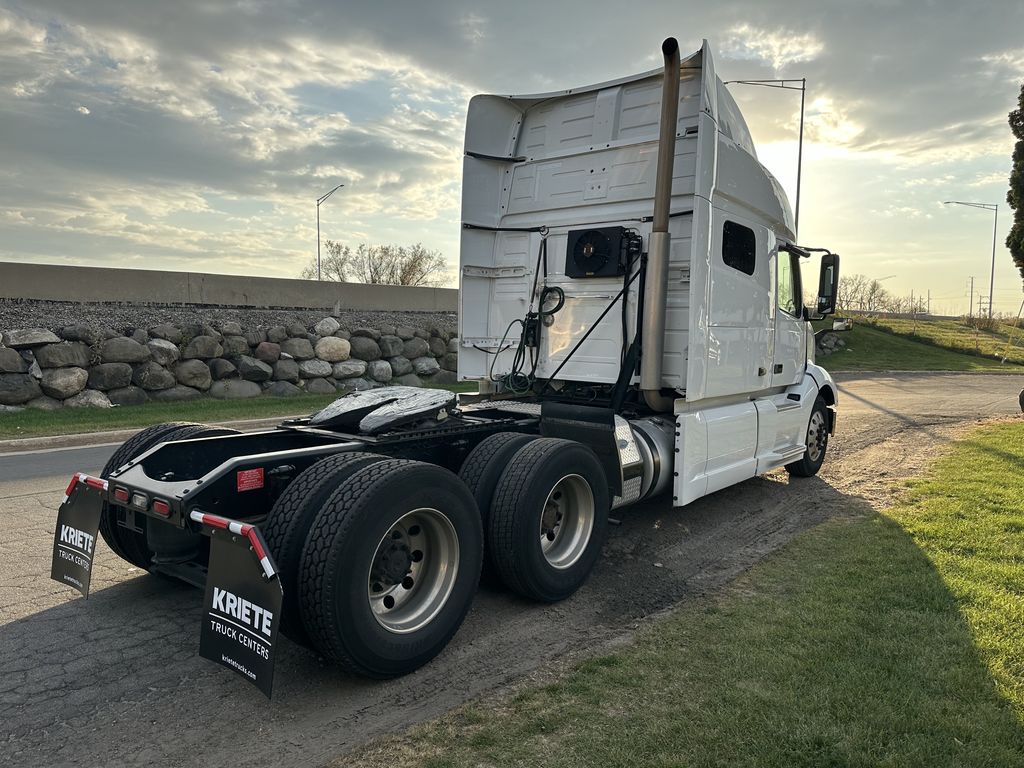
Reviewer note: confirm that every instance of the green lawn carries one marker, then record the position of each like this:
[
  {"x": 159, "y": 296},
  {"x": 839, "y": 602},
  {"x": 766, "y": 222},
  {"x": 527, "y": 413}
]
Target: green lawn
[
  {"x": 959, "y": 337},
  {"x": 869, "y": 349},
  {"x": 890, "y": 640},
  {"x": 31, "y": 423}
]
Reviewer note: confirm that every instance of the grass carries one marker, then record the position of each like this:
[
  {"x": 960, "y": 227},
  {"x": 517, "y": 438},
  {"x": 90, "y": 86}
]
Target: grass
[
  {"x": 871, "y": 349},
  {"x": 888, "y": 640},
  {"x": 956, "y": 336},
  {"x": 32, "y": 423}
]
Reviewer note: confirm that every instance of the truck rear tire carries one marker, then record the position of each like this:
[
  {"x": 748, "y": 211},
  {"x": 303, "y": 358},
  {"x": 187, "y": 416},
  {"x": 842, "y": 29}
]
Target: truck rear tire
[
  {"x": 390, "y": 567},
  {"x": 817, "y": 443},
  {"x": 292, "y": 516},
  {"x": 128, "y": 544},
  {"x": 549, "y": 519},
  {"x": 481, "y": 471}
]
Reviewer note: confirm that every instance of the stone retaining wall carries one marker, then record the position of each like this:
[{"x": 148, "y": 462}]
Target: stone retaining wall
[{"x": 84, "y": 366}]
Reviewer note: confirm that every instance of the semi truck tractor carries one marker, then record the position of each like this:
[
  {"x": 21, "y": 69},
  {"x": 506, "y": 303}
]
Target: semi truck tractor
[{"x": 632, "y": 310}]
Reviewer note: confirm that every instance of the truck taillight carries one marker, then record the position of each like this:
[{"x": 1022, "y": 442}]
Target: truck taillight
[
  {"x": 161, "y": 507},
  {"x": 122, "y": 495}
]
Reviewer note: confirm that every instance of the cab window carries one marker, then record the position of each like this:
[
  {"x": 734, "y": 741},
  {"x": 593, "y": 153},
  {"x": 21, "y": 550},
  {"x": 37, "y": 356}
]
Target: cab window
[
  {"x": 789, "y": 284},
  {"x": 739, "y": 247}
]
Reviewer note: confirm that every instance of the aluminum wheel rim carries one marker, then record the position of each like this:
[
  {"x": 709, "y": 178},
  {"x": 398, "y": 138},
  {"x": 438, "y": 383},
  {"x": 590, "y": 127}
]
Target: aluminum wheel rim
[
  {"x": 413, "y": 571},
  {"x": 567, "y": 521},
  {"x": 816, "y": 436}
]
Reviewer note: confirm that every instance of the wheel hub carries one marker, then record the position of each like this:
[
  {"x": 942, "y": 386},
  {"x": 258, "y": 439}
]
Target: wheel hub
[{"x": 393, "y": 564}]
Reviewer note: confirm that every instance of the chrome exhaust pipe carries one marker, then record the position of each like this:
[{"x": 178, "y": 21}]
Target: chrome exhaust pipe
[{"x": 656, "y": 282}]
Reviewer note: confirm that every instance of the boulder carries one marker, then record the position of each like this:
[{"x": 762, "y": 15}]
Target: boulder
[
  {"x": 44, "y": 403},
  {"x": 315, "y": 369},
  {"x": 299, "y": 349},
  {"x": 167, "y": 333},
  {"x": 267, "y": 351},
  {"x": 63, "y": 355},
  {"x": 235, "y": 346},
  {"x": 277, "y": 334},
  {"x": 438, "y": 346},
  {"x": 152, "y": 376},
  {"x": 222, "y": 369},
  {"x": 89, "y": 398},
  {"x": 109, "y": 333},
  {"x": 387, "y": 330},
  {"x": 379, "y": 370},
  {"x": 416, "y": 348},
  {"x": 251, "y": 369},
  {"x": 208, "y": 330},
  {"x": 409, "y": 380},
  {"x": 420, "y": 333},
  {"x": 80, "y": 332},
  {"x": 163, "y": 351},
  {"x": 286, "y": 370},
  {"x": 343, "y": 335},
  {"x": 128, "y": 396},
  {"x": 110, "y": 376},
  {"x": 11, "y": 361},
  {"x": 450, "y": 361},
  {"x": 404, "y": 332},
  {"x": 453, "y": 345},
  {"x": 400, "y": 365},
  {"x": 320, "y": 387},
  {"x": 33, "y": 368},
  {"x": 297, "y": 331},
  {"x": 283, "y": 389},
  {"x": 235, "y": 389},
  {"x": 62, "y": 383},
  {"x": 139, "y": 335},
  {"x": 122, "y": 350},
  {"x": 230, "y": 328},
  {"x": 444, "y": 379},
  {"x": 176, "y": 394},
  {"x": 356, "y": 385},
  {"x": 202, "y": 347},
  {"x": 390, "y": 346},
  {"x": 255, "y": 337},
  {"x": 333, "y": 349},
  {"x": 364, "y": 348},
  {"x": 425, "y": 366},
  {"x": 193, "y": 373},
  {"x": 18, "y": 388},
  {"x": 368, "y": 333},
  {"x": 326, "y": 327},
  {"x": 348, "y": 369},
  {"x": 29, "y": 337}
]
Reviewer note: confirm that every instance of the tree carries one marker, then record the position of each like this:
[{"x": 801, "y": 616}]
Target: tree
[
  {"x": 853, "y": 290},
  {"x": 379, "y": 264},
  {"x": 1015, "y": 195}
]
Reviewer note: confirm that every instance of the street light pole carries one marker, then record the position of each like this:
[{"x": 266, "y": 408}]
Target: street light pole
[
  {"x": 995, "y": 225},
  {"x": 785, "y": 84},
  {"x": 319, "y": 200}
]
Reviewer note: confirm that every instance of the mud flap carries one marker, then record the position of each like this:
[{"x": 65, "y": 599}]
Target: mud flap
[
  {"x": 74, "y": 539},
  {"x": 242, "y": 606}
]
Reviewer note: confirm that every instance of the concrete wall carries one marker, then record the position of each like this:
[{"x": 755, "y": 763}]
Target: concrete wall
[{"x": 94, "y": 284}]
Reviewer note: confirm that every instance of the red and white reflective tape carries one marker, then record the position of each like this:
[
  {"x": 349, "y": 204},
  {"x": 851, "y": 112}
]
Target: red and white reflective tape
[
  {"x": 80, "y": 477},
  {"x": 242, "y": 529}
]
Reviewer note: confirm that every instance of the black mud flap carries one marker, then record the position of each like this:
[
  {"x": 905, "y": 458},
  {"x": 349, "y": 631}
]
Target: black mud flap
[
  {"x": 242, "y": 607},
  {"x": 74, "y": 539}
]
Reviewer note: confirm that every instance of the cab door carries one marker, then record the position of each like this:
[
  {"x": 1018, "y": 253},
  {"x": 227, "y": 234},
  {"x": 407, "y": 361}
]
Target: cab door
[{"x": 790, "y": 348}]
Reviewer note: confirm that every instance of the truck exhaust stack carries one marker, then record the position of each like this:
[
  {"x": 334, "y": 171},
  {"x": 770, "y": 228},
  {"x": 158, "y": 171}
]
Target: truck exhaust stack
[{"x": 655, "y": 286}]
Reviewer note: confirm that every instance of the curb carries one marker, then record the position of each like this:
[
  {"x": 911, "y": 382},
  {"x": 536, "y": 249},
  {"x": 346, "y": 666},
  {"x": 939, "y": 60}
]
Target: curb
[{"x": 113, "y": 437}]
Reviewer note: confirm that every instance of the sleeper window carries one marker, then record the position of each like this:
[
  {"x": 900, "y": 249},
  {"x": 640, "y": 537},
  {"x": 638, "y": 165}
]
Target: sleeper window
[{"x": 739, "y": 247}]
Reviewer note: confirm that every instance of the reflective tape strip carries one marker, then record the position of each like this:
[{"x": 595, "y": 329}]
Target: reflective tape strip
[
  {"x": 80, "y": 477},
  {"x": 241, "y": 529}
]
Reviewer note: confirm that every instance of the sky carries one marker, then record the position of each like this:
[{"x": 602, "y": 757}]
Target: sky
[{"x": 197, "y": 135}]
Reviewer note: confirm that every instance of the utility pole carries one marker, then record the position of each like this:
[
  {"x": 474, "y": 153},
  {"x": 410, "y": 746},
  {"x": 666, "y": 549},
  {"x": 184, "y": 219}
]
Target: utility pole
[
  {"x": 995, "y": 225},
  {"x": 319, "y": 202},
  {"x": 970, "y": 312},
  {"x": 929, "y": 302}
]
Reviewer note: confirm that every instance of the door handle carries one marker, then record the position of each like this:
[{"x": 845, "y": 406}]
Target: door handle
[
  {"x": 762, "y": 371},
  {"x": 777, "y": 368}
]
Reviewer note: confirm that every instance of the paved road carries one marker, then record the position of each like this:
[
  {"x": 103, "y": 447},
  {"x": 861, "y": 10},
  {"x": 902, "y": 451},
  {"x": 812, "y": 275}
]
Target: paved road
[{"x": 116, "y": 680}]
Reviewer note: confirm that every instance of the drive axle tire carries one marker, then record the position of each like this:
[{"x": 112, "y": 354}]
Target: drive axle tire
[
  {"x": 549, "y": 519},
  {"x": 128, "y": 544},
  {"x": 390, "y": 567},
  {"x": 292, "y": 516},
  {"x": 817, "y": 443},
  {"x": 481, "y": 471}
]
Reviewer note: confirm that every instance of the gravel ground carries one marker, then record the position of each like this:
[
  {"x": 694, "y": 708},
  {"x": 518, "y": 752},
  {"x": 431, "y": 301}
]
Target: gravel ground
[{"x": 57, "y": 314}]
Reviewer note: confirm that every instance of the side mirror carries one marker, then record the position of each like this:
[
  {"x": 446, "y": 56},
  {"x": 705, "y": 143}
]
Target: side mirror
[{"x": 828, "y": 284}]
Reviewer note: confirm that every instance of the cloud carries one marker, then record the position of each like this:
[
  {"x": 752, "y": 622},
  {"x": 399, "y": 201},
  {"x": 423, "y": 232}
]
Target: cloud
[{"x": 779, "y": 48}]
